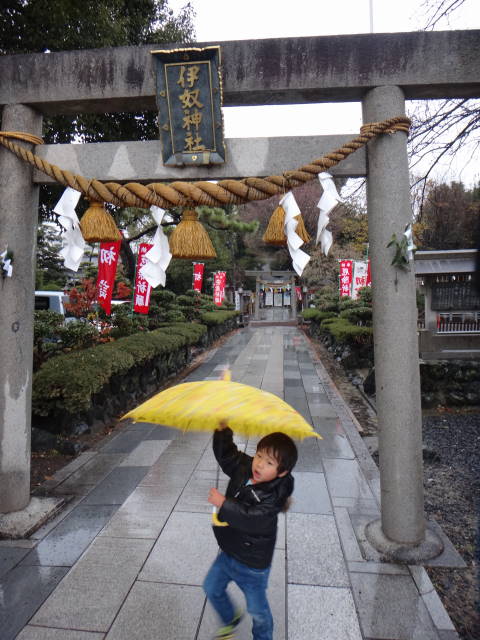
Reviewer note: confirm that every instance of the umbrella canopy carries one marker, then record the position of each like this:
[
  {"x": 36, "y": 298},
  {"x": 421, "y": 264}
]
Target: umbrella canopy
[{"x": 200, "y": 406}]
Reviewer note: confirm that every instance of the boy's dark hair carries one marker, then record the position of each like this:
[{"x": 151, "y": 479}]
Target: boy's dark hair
[{"x": 282, "y": 448}]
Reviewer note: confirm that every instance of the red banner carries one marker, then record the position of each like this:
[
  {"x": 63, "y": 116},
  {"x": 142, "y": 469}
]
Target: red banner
[
  {"x": 345, "y": 278},
  {"x": 298, "y": 291},
  {"x": 141, "y": 296},
  {"x": 219, "y": 287},
  {"x": 197, "y": 276},
  {"x": 369, "y": 275},
  {"x": 107, "y": 268}
]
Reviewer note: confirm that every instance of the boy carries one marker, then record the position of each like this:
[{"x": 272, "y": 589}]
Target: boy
[{"x": 258, "y": 490}]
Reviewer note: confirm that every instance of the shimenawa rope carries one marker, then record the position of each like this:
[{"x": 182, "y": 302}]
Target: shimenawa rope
[{"x": 190, "y": 194}]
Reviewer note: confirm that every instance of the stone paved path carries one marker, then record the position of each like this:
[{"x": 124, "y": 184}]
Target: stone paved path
[{"x": 127, "y": 558}]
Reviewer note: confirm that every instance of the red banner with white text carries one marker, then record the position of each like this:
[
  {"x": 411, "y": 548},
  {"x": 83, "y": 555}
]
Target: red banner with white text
[
  {"x": 197, "y": 275},
  {"x": 219, "y": 282},
  {"x": 141, "y": 296},
  {"x": 346, "y": 267},
  {"x": 107, "y": 268}
]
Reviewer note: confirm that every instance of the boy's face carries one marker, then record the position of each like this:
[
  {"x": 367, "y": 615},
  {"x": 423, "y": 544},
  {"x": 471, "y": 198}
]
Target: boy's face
[{"x": 265, "y": 467}]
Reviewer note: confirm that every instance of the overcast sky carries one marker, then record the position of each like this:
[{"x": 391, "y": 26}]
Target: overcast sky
[{"x": 218, "y": 20}]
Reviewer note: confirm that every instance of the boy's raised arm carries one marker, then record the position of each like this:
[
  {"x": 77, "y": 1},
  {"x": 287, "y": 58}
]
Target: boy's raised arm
[{"x": 225, "y": 450}]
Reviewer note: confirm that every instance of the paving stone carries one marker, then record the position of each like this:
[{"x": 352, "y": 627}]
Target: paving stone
[
  {"x": 345, "y": 479},
  {"x": 45, "y": 633},
  {"x": 92, "y": 593},
  {"x": 9, "y": 557},
  {"x": 351, "y": 548},
  {"x": 315, "y": 398},
  {"x": 65, "y": 544},
  {"x": 357, "y": 505},
  {"x": 160, "y": 432},
  {"x": 276, "y": 597},
  {"x": 182, "y": 559},
  {"x": 149, "y": 500},
  {"x": 378, "y": 567},
  {"x": 313, "y": 536},
  {"x": 152, "y": 611},
  {"x": 437, "y": 612},
  {"x": 22, "y": 592},
  {"x": 420, "y": 576},
  {"x": 323, "y": 613},
  {"x": 310, "y": 494},
  {"x": 117, "y": 486},
  {"x": 125, "y": 442},
  {"x": 91, "y": 473},
  {"x": 390, "y": 606},
  {"x": 330, "y": 425},
  {"x": 126, "y": 524},
  {"x": 318, "y": 410},
  {"x": 145, "y": 454},
  {"x": 335, "y": 446},
  {"x": 194, "y": 496},
  {"x": 309, "y": 458},
  {"x": 167, "y": 474}
]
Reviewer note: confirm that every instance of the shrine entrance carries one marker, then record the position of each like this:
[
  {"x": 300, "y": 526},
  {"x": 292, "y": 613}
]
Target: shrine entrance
[{"x": 275, "y": 300}]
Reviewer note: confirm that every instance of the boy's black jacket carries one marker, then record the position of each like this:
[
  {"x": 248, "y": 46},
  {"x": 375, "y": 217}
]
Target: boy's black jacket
[{"x": 251, "y": 511}]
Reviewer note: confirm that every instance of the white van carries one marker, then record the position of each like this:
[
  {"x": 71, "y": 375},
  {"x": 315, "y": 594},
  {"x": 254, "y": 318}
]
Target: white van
[{"x": 51, "y": 301}]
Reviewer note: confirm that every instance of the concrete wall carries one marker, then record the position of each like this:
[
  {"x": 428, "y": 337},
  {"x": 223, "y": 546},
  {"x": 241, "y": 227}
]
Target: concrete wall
[{"x": 272, "y": 71}]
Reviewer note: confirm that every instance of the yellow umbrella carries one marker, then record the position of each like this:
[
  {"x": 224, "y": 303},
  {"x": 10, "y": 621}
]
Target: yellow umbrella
[{"x": 200, "y": 406}]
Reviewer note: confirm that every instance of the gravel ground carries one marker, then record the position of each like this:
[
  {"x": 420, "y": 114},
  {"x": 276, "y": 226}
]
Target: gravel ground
[
  {"x": 452, "y": 492},
  {"x": 452, "y": 497}
]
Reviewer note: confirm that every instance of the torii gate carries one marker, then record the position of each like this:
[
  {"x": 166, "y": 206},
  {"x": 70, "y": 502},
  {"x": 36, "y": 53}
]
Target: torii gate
[{"x": 380, "y": 70}]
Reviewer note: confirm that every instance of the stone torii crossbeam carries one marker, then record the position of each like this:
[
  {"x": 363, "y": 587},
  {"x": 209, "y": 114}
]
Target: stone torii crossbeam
[{"x": 378, "y": 70}]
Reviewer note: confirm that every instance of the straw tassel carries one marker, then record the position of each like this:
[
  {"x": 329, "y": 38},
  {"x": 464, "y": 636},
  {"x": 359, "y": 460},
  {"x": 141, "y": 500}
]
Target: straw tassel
[
  {"x": 189, "y": 240},
  {"x": 275, "y": 234},
  {"x": 97, "y": 225}
]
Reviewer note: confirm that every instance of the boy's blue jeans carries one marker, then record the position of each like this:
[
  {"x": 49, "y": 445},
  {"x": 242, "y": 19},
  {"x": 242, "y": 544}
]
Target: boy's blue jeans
[{"x": 253, "y": 583}]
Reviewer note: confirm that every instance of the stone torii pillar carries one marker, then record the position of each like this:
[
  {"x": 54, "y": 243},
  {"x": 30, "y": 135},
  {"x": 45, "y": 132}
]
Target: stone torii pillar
[
  {"x": 401, "y": 532},
  {"x": 19, "y": 205}
]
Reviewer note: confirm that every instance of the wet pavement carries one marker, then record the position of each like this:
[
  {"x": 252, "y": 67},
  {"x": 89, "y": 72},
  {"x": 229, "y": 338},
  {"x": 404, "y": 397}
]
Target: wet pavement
[{"x": 126, "y": 558}]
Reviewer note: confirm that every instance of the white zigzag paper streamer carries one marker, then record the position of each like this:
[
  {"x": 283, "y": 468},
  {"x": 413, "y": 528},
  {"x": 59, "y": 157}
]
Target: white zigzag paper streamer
[
  {"x": 72, "y": 240},
  {"x": 159, "y": 256},
  {"x": 300, "y": 259},
  {"x": 328, "y": 201}
]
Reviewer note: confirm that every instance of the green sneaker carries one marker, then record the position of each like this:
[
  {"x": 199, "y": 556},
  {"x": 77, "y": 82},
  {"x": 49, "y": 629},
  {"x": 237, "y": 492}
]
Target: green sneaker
[{"x": 228, "y": 631}]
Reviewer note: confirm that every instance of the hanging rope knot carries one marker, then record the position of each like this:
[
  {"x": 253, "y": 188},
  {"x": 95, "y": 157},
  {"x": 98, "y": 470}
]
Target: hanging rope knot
[
  {"x": 287, "y": 175},
  {"x": 392, "y": 125}
]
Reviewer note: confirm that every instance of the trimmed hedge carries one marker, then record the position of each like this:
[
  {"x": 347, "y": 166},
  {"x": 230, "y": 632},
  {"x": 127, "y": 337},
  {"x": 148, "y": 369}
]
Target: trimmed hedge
[
  {"x": 316, "y": 315},
  {"x": 100, "y": 383},
  {"x": 344, "y": 332},
  {"x": 68, "y": 382},
  {"x": 215, "y": 318}
]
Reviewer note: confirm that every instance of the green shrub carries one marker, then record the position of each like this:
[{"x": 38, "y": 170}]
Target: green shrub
[
  {"x": 316, "y": 315},
  {"x": 358, "y": 315},
  {"x": 192, "y": 331},
  {"x": 174, "y": 315},
  {"x": 346, "y": 333},
  {"x": 214, "y": 318},
  {"x": 162, "y": 297},
  {"x": 125, "y": 323},
  {"x": 68, "y": 382}
]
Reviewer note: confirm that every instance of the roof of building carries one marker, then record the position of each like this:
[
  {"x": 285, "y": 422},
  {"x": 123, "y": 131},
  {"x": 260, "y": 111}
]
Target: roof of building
[{"x": 443, "y": 262}]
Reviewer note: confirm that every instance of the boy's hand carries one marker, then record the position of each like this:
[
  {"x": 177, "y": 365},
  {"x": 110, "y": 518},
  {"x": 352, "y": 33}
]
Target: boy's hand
[{"x": 216, "y": 498}]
